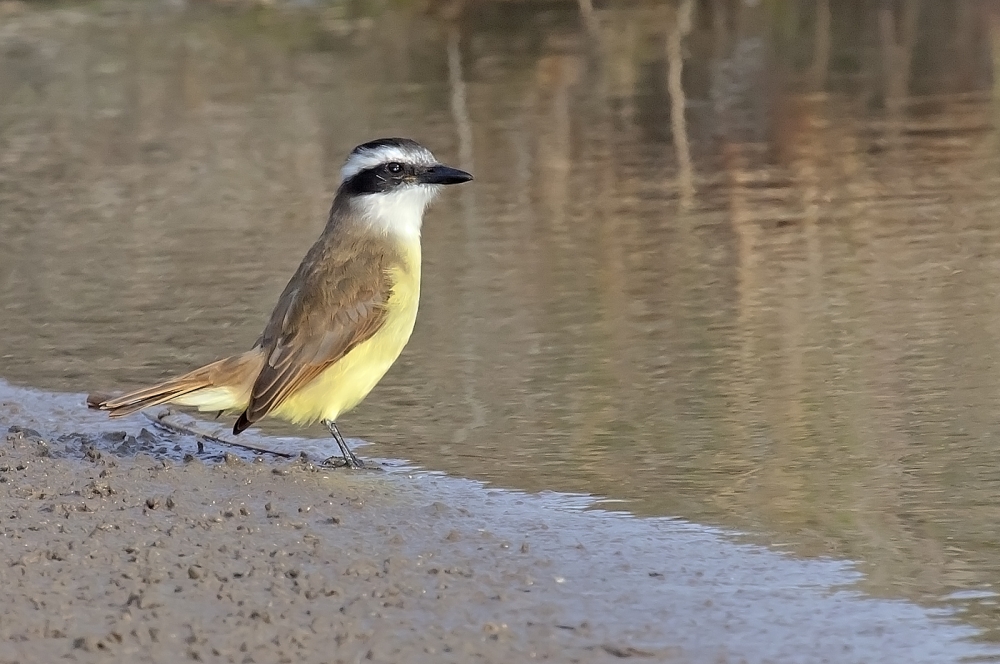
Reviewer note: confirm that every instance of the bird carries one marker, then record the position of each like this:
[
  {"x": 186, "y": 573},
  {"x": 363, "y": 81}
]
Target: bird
[{"x": 345, "y": 315}]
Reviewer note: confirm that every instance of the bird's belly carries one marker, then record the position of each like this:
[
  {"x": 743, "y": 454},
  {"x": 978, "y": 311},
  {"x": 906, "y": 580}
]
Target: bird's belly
[{"x": 344, "y": 384}]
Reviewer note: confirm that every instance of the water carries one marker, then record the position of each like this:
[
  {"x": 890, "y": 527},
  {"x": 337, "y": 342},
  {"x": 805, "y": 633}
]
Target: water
[{"x": 776, "y": 312}]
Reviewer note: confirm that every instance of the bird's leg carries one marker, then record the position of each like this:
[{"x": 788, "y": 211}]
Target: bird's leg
[{"x": 350, "y": 460}]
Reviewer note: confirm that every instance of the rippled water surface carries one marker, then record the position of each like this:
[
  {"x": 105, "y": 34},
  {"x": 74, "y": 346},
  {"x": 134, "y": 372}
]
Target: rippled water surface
[{"x": 734, "y": 262}]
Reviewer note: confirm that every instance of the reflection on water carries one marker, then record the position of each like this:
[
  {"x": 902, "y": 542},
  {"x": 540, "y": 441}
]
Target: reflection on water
[{"x": 777, "y": 310}]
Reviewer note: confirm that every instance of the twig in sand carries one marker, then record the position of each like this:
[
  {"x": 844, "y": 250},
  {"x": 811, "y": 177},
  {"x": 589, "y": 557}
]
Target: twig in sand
[{"x": 165, "y": 419}]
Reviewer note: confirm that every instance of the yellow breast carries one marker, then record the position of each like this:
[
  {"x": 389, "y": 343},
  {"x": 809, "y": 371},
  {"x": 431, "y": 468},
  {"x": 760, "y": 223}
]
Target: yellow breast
[{"x": 344, "y": 384}]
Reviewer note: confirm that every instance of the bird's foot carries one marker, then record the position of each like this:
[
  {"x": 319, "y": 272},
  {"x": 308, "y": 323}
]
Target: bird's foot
[
  {"x": 348, "y": 458},
  {"x": 346, "y": 462}
]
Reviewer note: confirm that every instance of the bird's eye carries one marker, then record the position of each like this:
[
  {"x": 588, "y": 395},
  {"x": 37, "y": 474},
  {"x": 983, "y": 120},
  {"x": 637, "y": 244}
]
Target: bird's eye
[{"x": 394, "y": 168}]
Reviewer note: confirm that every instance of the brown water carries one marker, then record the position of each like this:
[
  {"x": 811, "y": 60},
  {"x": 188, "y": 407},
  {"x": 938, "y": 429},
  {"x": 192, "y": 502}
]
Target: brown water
[{"x": 777, "y": 311}]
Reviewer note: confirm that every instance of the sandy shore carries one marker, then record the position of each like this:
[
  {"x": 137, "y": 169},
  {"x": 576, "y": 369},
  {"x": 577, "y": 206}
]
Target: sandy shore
[
  {"x": 139, "y": 558},
  {"x": 118, "y": 549}
]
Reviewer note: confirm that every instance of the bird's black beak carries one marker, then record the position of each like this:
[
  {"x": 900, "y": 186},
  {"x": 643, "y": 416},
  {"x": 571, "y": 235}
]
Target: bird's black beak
[{"x": 440, "y": 174}]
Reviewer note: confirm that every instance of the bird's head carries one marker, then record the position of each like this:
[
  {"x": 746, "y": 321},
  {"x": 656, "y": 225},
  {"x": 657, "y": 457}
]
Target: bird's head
[{"x": 390, "y": 181}]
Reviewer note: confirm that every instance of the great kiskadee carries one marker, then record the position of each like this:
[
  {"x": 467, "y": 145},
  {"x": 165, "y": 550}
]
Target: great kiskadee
[{"x": 346, "y": 314}]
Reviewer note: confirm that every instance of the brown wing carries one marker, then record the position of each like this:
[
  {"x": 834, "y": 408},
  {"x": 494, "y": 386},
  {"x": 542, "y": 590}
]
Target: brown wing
[{"x": 336, "y": 300}]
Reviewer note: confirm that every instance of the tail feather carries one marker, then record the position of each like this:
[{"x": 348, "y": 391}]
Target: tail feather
[
  {"x": 150, "y": 396},
  {"x": 221, "y": 385}
]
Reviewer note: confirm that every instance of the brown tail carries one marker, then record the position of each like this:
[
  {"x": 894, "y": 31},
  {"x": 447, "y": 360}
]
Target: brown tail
[{"x": 238, "y": 372}]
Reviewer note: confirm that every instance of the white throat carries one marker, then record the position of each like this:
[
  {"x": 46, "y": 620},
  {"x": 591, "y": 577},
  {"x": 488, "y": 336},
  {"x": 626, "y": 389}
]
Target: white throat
[{"x": 399, "y": 213}]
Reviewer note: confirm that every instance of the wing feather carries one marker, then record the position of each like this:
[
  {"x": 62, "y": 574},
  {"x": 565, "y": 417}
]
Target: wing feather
[{"x": 336, "y": 301}]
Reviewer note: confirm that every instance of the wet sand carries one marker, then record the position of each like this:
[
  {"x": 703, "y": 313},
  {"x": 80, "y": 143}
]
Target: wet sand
[{"x": 123, "y": 544}]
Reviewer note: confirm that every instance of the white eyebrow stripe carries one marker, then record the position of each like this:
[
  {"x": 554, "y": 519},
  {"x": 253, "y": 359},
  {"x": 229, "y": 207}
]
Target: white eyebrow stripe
[{"x": 358, "y": 162}]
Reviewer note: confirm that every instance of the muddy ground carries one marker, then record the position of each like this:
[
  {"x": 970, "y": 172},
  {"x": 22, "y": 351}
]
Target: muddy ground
[
  {"x": 124, "y": 543},
  {"x": 146, "y": 559}
]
